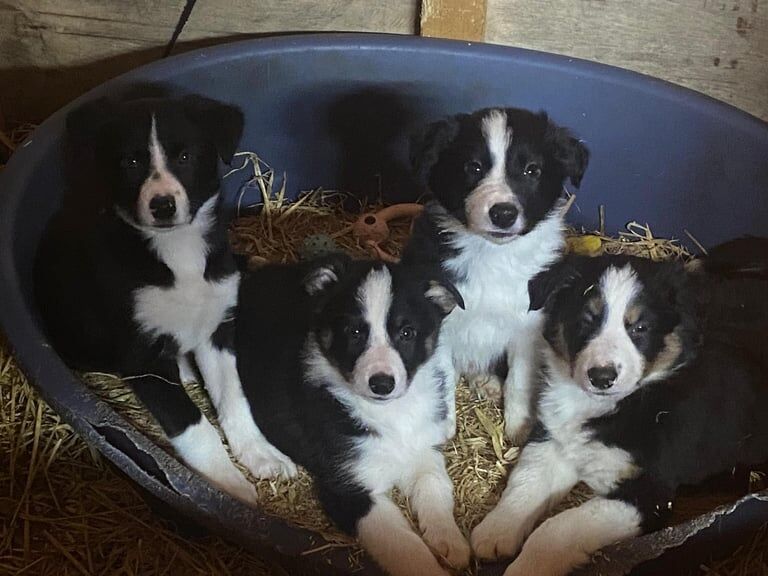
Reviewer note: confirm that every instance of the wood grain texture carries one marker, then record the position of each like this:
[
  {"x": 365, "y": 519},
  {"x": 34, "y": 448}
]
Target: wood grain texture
[
  {"x": 53, "y": 50},
  {"x": 716, "y": 47},
  {"x": 457, "y": 19}
]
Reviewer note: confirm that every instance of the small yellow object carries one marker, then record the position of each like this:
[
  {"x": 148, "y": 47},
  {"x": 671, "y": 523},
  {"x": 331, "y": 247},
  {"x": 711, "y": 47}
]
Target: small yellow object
[{"x": 588, "y": 245}]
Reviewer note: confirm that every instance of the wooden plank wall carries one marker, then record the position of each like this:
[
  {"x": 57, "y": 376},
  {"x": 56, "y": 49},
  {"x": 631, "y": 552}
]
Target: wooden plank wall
[
  {"x": 53, "y": 50},
  {"x": 719, "y": 47}
]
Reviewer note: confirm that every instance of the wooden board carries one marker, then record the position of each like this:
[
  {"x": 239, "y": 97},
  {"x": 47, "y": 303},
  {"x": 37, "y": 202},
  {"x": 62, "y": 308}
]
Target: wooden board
[
  {"x": 457, "y": 19},
  {"x": 53, "y": 50},
  {"x": 714, "y": 46}
]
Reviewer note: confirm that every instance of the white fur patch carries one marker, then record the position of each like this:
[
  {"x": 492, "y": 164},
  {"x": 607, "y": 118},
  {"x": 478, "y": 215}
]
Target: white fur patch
[
  {"x": 401, "y": 451},
  {"x": 375, "y": 298},
  {"x": 193, "y": 307},
  {"x": 160, "y": 182},
  {"x": 612, "y": 344},
  {"x": 564, "y": 407},
  {"x": 200, "y": 448},
  {"x": 248, "y": 444},
  {"x": 386, "y": 535},
  {"x": 539, "y": 481},
  {"x": 498, "y": 137},
  {"x": 493, "y": 188},
  {"x": 496, "y": 321},
  {"x": 569, "y": 539}
]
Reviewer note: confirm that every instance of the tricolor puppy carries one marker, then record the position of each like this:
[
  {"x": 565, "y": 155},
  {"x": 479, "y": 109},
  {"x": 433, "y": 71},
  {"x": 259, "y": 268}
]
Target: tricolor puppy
[
  {"x": 147, "y": 282},
  {"x": 343, "y": 373},
  {"x": 637, "y": 401},
  {"x": 497, "y": 178}
]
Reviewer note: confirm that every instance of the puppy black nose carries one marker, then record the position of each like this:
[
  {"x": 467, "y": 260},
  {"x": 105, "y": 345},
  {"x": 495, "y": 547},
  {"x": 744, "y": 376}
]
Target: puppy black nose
[
  {"x": 381, "y": 384},
  {"x": 602, "y": 377},
  {"x": 503, "y": 215},
  {"x": 162, "y": 207}
]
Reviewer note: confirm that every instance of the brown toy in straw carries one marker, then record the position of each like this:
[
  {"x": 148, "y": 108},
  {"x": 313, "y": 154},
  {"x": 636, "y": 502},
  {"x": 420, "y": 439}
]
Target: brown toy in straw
[{"x": 372, "y": 229}]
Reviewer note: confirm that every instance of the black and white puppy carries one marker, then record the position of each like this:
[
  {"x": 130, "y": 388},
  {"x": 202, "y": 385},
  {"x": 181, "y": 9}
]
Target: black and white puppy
[
  {"x": 631, "y": 392},
  {"x": 343, "y": 373},
  {"x": 148, "y": 279},
  {"x": 497, "y": 178}
]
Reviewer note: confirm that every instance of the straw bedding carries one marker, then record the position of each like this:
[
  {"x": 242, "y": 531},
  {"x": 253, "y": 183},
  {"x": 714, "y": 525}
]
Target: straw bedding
[{"x": 64, "y": 511}]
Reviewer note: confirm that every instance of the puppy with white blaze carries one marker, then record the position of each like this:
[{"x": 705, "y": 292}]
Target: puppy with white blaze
[
  {"x": 639, "y": 398},
  {"x": 135, "y": 275},
  {"x": 495, "y": 222},
  {"x": 343, "y": 373}
]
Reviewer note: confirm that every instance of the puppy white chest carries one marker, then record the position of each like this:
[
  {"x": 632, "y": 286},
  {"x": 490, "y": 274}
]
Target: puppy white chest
[
  {"x": 193, "y": 307},
  {"x": 400, "y": 432},
  {"x": 564, "y": 412},
  {"x": 494, "y": 285}
]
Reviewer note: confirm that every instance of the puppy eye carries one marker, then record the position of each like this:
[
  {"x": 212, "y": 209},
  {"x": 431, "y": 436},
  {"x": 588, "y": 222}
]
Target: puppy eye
[
  {"x": 407, "y": 333},
  {"x": 473, "y": 167},
  {"x": 183, "y": 157},
  {"x": 129, "y": 162},
  {"x": 638, "y": 327},
  {"x": 354, "y": 331},
  {"x": 532, "y": 169}
]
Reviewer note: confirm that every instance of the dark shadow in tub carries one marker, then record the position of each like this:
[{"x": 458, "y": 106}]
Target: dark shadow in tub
[{"x": 372, "y": 127}]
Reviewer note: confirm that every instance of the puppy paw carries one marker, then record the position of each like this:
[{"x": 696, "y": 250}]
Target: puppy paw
[
  {"x": 543, "y": 563},
  {"x": 187, "y": 373},
  {"x": 450, "y": 426},
  {"x": 485, "y": 386},
  {"x": 448, "y": 542},
  {"x": 496, "y": 537},
  {"x": 230, "y": 480},
  {"x": 265, "y": 461},
  {"x": 517, "y": 425}
]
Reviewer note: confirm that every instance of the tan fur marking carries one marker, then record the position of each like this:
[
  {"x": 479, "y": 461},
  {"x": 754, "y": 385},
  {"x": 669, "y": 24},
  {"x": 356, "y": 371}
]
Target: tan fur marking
[
  {"x": 560, "y": 345},
  {"x": 673, "y": 347},
  {"x": 632, "y": 314},
  {"x": 595, "y": 305}
]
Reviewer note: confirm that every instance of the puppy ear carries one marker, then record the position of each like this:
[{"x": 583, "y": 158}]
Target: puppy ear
[
  {"x": 445, "y": 295},
  {"x": 543, "y": 287},
  {"x": 222, "y": 122},
  {"x": 426, "y": 146},
  {"x": 325, "y": 272},
  {"x": 570, "y": 152}
]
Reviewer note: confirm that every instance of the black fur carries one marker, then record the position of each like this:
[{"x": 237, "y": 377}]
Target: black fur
[
  {"x": 734, "y": 288},
  {"x": 706, "y": 418},
  {"x": 305, "y": 420},
  {"x": 441, "y": 154},
  {"x": 91, "y": 261},
  {"x": 667, "y": 303}
]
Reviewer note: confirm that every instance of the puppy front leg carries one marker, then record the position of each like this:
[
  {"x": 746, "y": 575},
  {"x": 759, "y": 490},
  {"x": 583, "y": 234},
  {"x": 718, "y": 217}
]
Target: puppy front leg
[
  {"x": 446, "y": 372},
  {"x": 540, "y": 479},
  {"x": 219, "y": 370},
  {"x": 520, "y": 383},
  {"x": 430, "y": 493},
  {"x": 194, "y": 439},
  {"x": 567, "y": 540},
  {"x": 389, "y": 539}
]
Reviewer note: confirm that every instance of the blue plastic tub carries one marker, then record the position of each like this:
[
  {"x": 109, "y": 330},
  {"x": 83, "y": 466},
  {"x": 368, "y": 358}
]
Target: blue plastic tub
[{"x": 333, "y": 111}]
